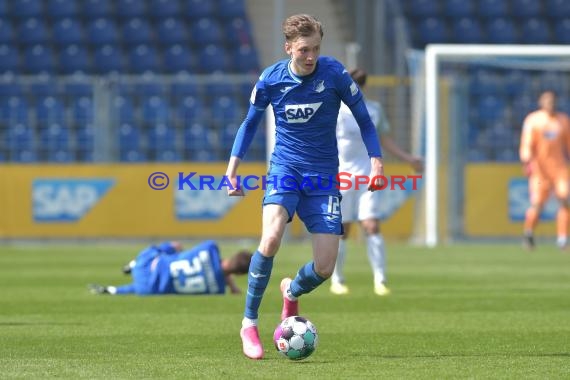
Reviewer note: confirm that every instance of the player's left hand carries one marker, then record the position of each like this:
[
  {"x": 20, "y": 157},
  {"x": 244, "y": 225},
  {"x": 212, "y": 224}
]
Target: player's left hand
[
  {"x": 235, "y": 190},
  {"x": 417, "y": 164}
]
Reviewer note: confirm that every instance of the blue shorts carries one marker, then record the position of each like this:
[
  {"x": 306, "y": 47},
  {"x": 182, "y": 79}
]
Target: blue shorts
[{"x": 314, "y": 196}]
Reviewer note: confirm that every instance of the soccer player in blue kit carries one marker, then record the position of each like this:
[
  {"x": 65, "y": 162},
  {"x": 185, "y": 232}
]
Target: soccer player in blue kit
[
  {"x": 305, "y": 92},
  {"x": 166, "y": 269}
]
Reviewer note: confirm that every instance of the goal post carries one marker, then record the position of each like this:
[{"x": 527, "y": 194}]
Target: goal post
[{"x": 435, "y": 54}]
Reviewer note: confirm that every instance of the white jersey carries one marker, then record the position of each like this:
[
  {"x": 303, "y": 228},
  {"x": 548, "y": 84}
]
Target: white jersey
[{"x": 353, "y": 156}]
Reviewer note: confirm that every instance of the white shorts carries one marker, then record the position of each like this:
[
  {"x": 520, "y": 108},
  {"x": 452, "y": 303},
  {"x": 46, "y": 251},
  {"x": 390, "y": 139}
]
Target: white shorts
[{"x": 358, "y": 205}]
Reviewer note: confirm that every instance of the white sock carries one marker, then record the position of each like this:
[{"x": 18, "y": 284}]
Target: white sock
[
  {"x": 246, "y": 322},
  {"x": 112, "y": 289},
  {"x": 338, "y": 273},
  {"x": 561, "y": 241},
  {"x": 377, "y": 257}
]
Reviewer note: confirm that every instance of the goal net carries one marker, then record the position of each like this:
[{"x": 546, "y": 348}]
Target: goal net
[{"x": 468, "y": 104}]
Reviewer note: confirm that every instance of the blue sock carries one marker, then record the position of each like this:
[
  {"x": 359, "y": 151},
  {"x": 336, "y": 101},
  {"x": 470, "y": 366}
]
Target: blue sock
[
  {"x": 257, "y": 280},
  {"x": 306, "y": 280}
]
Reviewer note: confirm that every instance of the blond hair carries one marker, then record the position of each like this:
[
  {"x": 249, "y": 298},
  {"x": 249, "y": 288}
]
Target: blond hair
[{"x": 301, "y": 25}]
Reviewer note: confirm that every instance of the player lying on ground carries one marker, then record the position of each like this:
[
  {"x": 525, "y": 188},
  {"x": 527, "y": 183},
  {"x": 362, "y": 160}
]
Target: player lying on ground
[{"x": 167, "y": 269}]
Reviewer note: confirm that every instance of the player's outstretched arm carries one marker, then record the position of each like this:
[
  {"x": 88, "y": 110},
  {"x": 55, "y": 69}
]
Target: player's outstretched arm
[
  {"x": 231, "y": 175},
  {"x": 392, "y": 147}
]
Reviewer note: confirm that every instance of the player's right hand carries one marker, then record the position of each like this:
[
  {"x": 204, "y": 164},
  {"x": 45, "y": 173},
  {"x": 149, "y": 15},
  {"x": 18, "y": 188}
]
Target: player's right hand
[{"x": 97, "y": 289}]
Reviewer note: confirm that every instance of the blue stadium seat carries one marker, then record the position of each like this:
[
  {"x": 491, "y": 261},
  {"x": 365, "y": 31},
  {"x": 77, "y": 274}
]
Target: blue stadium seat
[
  {"x": 432, "y": 30},
  {"x": 108, "y": 59},
  {"x": 93, "y": 9},
  {"x": 78, "y": 86},
  {"x": 142, "y": 59},
  {"x": 494, "y": 8},
  {"x": 50, "y": 110},
  {"x": 228, "y": 133},
  {"x": 245, "y": 60},
  {"x": 74, "y": 59},
  {"x": 177, "y": 58},
  {"x": 552, "y": 80},
  {"x": 27, "y": 8},
  {"x": 484, "y": 82},
  {"x": 14, "y": 110},
  {"x": 563, "y": 104},
  {"x": 61, "y": 8},
  {"x": 190, "y": 109},
  {"x": 562, "y": 31},
  {"x": 515, "y": 82},
  {"x": 167, "y": 155},
  {"x": 238, "y": 32},
  {"x": 535, "y": 31},
  {"x": 38, "y": 59},
  {"x": 207, "y": 31},
  {"x": 213, "y": 59},
  {"x": 171, "y": 31},
  {"x": 130, "y": 8},
  {"x": 84, "y": 137},
  {"x": 149, "y": 86},
  {"x": 155, "y": 110},
  {"x": 129, "y": 137},
  {"x": 67, "y": 31},
  {"x": 197, "y": 9},
  {"x": 82, "y": 111},
  {"x": 164, "y": 8},
  {"x": 185, "y": 87},
  {"x": 490, "y": 108},
  {"x": 32, "y": 31},
  {"x": 54, "y": 137},
  {"x": 9, "y": 59},
  {"x": 231, "y": 8},
  {"x": 6, "y": 32},
  {"x": 467, "y": 31},
  {"x": 9, "y": 88},
  {"x": 123, "y": 109},
  {"x": 102, "y": 31},
  {"x": 60, "y": 156},
  {"x": 44, "y": 86},
  {"x": 501, "y": 31},
  {"x": 218, "y": 86},
  {"x": 20, "y": 136},
  {"x": 526, "y": 8},
  {"x": 558, "y": 8},
  {"x": 4, "y": 10},
  {"x": 195, "y": 135},
  {"x": 132, "y": 155},
  {"x": 161, "y": 136},
  {"x": 459, "y": 8},
  {"x": 137, "y": 31},
  {"x": 521, "y": 106},
  {"x": 225, "y": 109}
]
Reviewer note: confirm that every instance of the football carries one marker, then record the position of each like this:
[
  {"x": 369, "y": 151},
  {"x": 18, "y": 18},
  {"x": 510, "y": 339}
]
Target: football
[{"x": 296, "y": 338}]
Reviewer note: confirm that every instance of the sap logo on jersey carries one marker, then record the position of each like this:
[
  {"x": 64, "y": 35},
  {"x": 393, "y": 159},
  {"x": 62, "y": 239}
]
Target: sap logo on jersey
[
  {"x": 301, "y": 113},
  {"x": 66, "y": 200},
  {"x": 519, "y": 202},
  {"x": 205, "y": 203}
]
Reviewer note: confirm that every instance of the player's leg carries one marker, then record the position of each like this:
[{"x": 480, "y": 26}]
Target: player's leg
[
  {"x": 539, "y": 188},
  {"x": 563, "y": 215},
  {"x": 349, "y": 211},
  {"x": 369, "y": 215}
]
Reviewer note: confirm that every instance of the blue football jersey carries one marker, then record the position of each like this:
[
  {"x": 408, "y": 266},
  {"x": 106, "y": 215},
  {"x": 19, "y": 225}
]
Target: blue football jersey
[
  {"x": 306, "y": 110},
  {"x": 195, "y": 271}
]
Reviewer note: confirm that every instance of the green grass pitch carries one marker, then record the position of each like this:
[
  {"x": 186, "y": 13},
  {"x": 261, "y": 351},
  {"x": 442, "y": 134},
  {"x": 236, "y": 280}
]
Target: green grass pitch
[{"x": 464, "y": 311}]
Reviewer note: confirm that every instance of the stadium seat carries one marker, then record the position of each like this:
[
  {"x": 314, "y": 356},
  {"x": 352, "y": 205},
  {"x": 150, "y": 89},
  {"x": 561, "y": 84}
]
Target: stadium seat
[
  {"x": 432, "y": 30},
  {"x": 67, "y": 31},
  {"x": 225, "y": 109},
  {"x": 129, "y": 137},
  {"x": 38, "y": 59},
  {"x": 94, "y": 9},
  {"x": 213, "y": 59},
  {"x": 185, "y": 87},
  {"x": 85, "y": 140},
  {"x": 27, "y": 8},
  {"x": 4, "y": 10},
  {"x": 493, "y": 8},
  {"x": 167, "y": 155},
  {"x": 563, "y": 103},
  {"x": 490, "y": 108},
  {"x": 562, "y": 31},
  {"x": 238, "y": 32},
  {"x": 164, "y": 8},
  {"x": 484, "y": 82},
  {"x": 207, "y": 31},
  {"x": 459, "y": 8},
  {"x": 521, "y": 106},
  {"x": 20, "y": 136},
  {"x": 161, "y": 136},
  {"x": 177, "y": 58},
  {"x": 123, "y": 109},
  {"x": 526, "y": 8},
  {"x": 557, "y": 8},
  {"x": 82, "y": 110},
  {"x": 155, "y": 110},
  {"x": 14, "y": 110},
  {"x": 77, "y": 86},
  {"x": 50, "y": 110},
  {"x": 228, "y": 9},
  {"x": 467, "y": 31},
  {"x": 54, "y": 137},
  {"x": 143, "y": 58},
  {"x": 421, "y": 9},
  {"x": 57, "y": 9},
  {"x": 74, "y": 59},
  {"x": 130, "y": 8},
  {"x": 501, "y": 31},
  {"x": 515, "y": 82},
  {"x": 245, "y": 60},
  {"x": 552, "y": 80},
  {"x": 102, "y": 31},
  {"x": 171, "y": 31},
  {"x": 136, "y": 31},
  {"x": 190, "y": 109},
  {"x": 197, "y": 9},
  {"x": 32, "y": 31},
  {"x": 149, "y": 86},
  {"x": 132, "y": 155},
  {"x": 9, "y": 88},
  {"x": 218, "y": 86},
  {"x": 9, "y": 59},
  {"x": 6, "y": 32},
  {"x": 535, "y": 31},
  {"x": 108, "y": 59}
]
